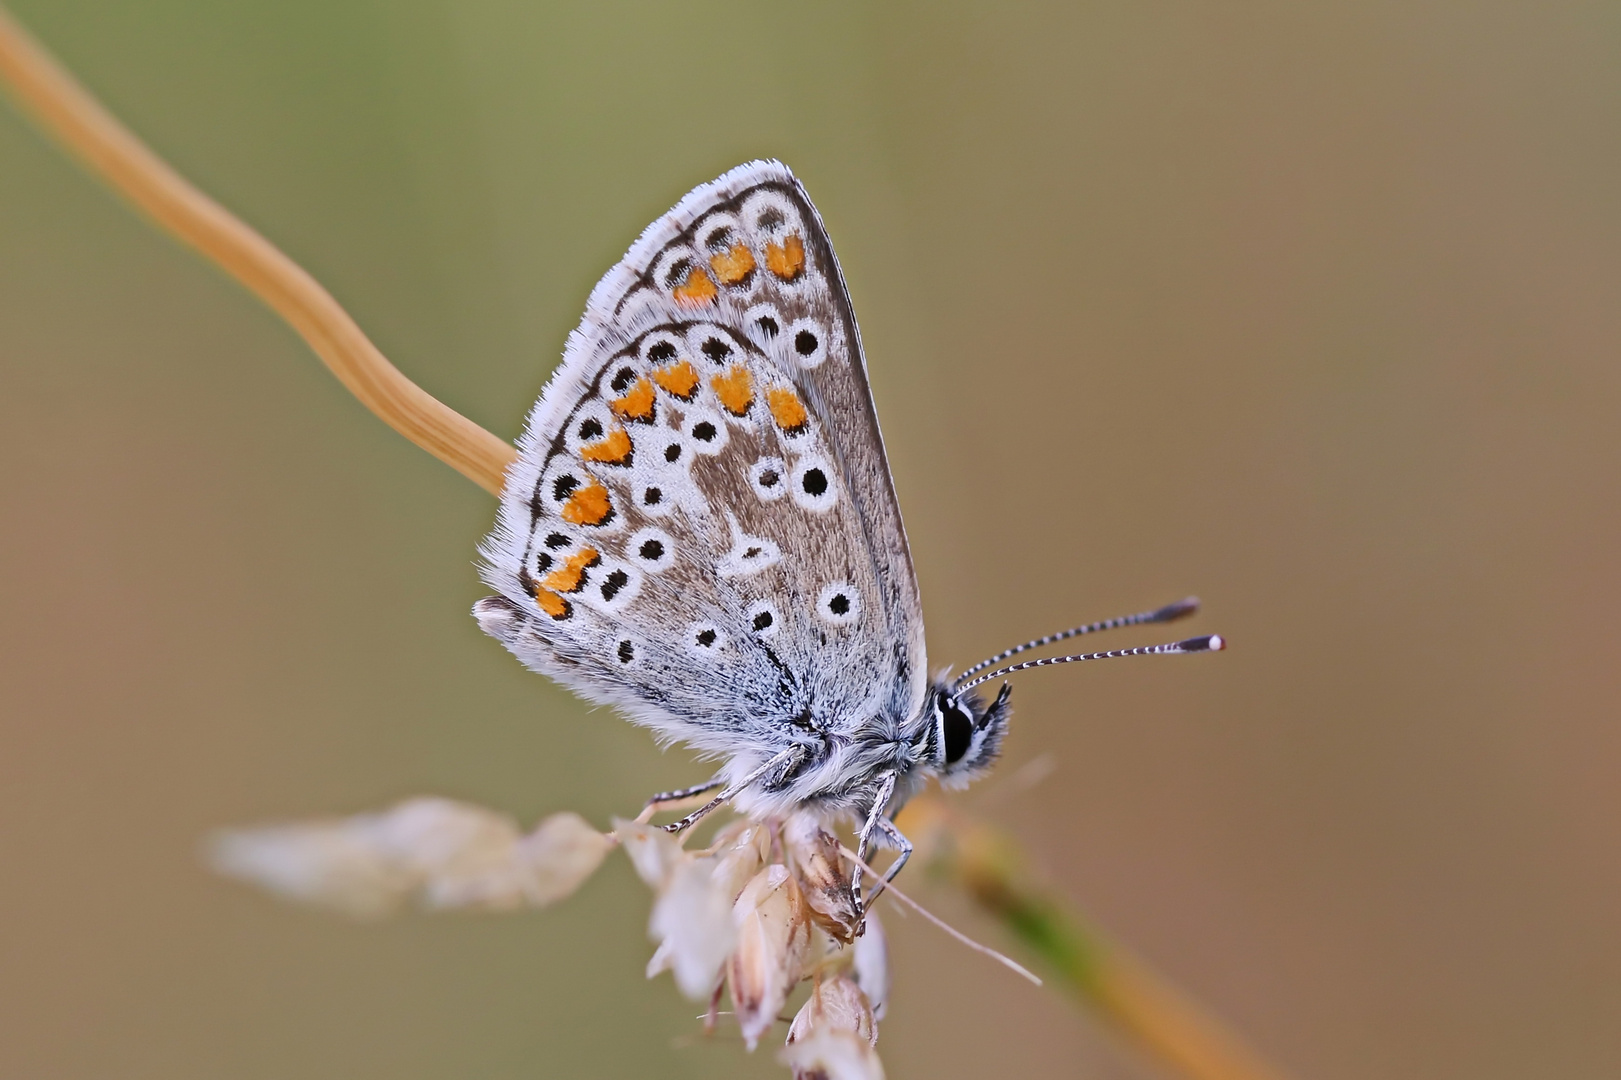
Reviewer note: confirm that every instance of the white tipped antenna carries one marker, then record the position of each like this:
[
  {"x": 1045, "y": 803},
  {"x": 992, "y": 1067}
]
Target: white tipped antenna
[
  {"x": 1181, "y": 609},
  {"x": 1208, "y": 643}
]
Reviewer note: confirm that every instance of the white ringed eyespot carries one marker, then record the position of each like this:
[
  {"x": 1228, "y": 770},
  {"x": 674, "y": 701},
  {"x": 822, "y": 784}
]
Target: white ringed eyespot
[
  {"x": 769, "y": 478},
  {"x": 812, "y": 484},
  {"x": 838, "y": 605}
]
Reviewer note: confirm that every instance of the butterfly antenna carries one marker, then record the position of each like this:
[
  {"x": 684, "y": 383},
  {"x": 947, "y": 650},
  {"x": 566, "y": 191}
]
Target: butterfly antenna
[
  {"x": 1179, "y": 610},
  {"x": 1208, "y": 643}
]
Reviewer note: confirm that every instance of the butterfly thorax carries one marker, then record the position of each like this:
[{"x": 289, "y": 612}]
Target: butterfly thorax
[{"x": 952, "y": 737}]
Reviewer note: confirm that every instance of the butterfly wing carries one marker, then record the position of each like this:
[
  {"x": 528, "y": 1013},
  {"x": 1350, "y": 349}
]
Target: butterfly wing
[{"x": 701, "y": 527}]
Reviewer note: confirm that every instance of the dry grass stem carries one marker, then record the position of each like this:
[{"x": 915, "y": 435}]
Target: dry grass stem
[
  {"x": 937, "y": 921},
  {"x": 69, "y": 113},
  {"x": 1122, "y": 989}
]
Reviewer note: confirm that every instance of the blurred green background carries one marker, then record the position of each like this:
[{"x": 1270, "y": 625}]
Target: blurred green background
[{"x": 1312, "y": 309}]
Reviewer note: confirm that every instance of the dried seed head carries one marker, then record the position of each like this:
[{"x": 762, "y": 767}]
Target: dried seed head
[
  {"x": 692, "y": 923},
  {"x": 773, "y": 946},
  {"x": 813, "y": 852},
  {"x": 870, "y": 965},
  {"x": 836, "y": 1004},
  {"x": 832, "y": 1054},
  {"x": 441, "y": 853},
  {"x": 692, "y": 910},
  {"x": 560, "y": 854},
  {"x": 741, "y": 849},
  {"x": 652, "y": 851}
]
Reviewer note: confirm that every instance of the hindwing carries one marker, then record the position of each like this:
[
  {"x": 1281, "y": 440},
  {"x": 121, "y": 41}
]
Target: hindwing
[{"x": 700, "y": 527}]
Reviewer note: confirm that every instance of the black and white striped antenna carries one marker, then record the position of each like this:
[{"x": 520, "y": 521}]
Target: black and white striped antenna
[
  {"x": 1208, "y": 643},
  {"x": 1179, "y": 610}
]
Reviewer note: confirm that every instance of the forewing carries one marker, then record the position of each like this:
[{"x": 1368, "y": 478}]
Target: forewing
[{"x": 701, "y": 526}]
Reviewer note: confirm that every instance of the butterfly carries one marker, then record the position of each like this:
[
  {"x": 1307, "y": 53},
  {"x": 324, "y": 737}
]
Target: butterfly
[{"x": 701, "y": 528}]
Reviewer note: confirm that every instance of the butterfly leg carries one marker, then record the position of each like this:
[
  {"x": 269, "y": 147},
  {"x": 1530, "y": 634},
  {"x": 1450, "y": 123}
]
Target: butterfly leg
[
  {"x": 788, "y": 757},
  {"x": 898, "y": 841},
  {"x": 665, "y": 798},
  {"x": 875, "y": 823}
]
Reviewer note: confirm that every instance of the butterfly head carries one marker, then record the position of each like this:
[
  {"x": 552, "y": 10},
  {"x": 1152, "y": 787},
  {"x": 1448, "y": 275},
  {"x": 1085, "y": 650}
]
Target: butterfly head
[{"x": 964, "y": 734}]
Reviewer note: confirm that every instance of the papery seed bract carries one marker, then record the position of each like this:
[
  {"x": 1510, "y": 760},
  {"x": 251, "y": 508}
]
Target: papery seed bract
[
  {"x": 773, "y": 944},
  {"x": 652, "y": 851},
  {"x": 439, "y": 852},
  {"x": 835, "y": 1004},
  {"x": 559, "y": 855},
  {"x": 741, "y": 850},
  {"x": 813, "y": 852},
  {"x": 832, "y": 1055},
  {"x": 870, "y": 965},
  {"x": 692, "y": 922}
]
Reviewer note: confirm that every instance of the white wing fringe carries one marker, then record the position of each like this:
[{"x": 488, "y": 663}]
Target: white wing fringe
[{"x": 430, "y": 852}]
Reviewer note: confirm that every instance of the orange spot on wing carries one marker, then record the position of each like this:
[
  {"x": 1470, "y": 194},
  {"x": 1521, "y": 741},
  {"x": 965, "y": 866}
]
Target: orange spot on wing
[
  {"x": 787, "y": 260},
  {"x": 679, "y": 379},
  {"x": 636, "y": 403},
  {"x": 786, "y": 408},
  {"x": 552, "y": 604},
  {"x": 735, "y": 389},
  {"x": 588, "y": 506},
  {"x": 571, "y": 575},
  {"x": 733, "y": 266},
  {"x": 613, "y": 449},
  {"x": 698, "y": 290}
]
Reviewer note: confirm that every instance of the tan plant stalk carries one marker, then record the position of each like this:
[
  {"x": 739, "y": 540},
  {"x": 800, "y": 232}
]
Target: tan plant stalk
[
  {"x": 986, "y": 863},
  {"x": 67, "y": 111},
  {"x": 1104, "y": 976}
]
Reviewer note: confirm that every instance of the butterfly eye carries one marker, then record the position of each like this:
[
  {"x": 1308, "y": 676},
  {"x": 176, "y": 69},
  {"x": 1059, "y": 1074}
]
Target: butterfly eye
[{"x": 956, "y": 730}]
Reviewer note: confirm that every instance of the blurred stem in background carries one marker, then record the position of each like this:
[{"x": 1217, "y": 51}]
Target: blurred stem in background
[
  {"x": 981, "y": 860},
  {"x": 987, "y": 864},
  {"x": 112, "y": 152}
]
